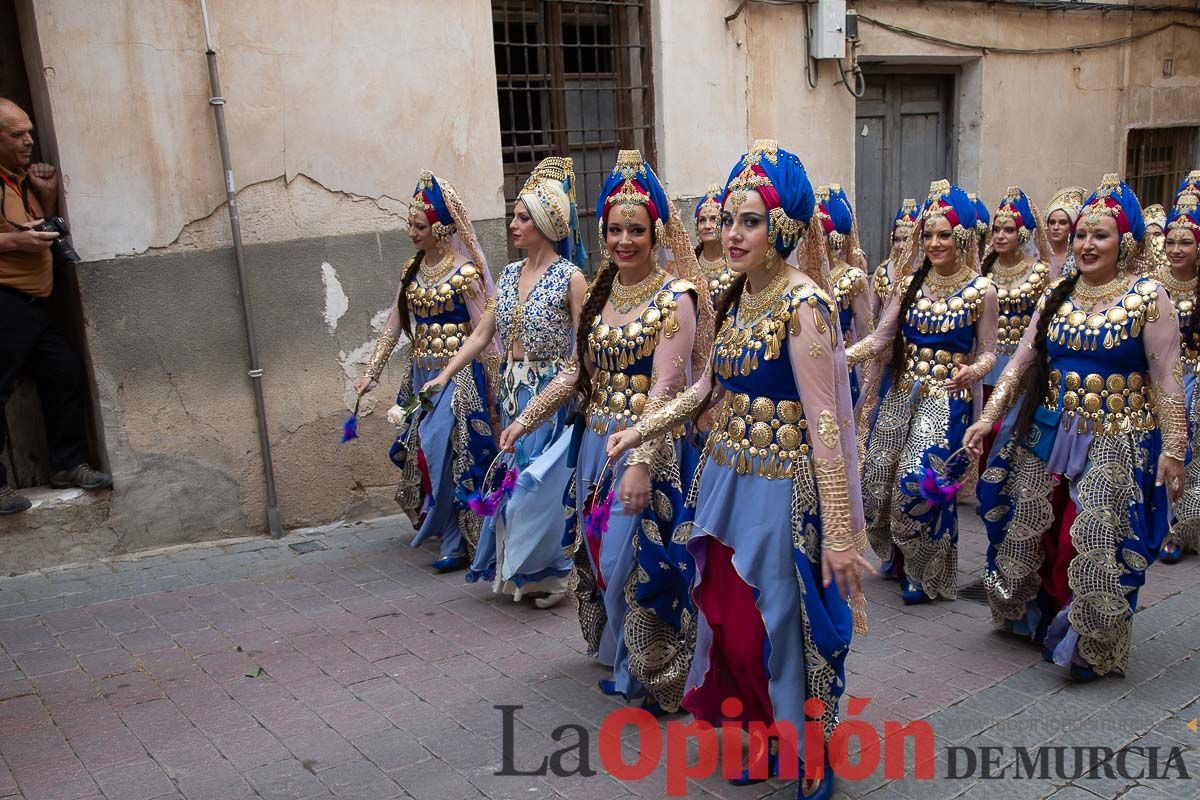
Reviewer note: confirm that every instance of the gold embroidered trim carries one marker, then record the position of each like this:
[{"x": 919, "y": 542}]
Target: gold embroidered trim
[
  {"x": 549, "y": 400},
  {"x": 833, "y": 491},
  {"x": 661, "y": 417},
  {"x": 380, "y": 355},
  {"x": 1004, "y": 395},
  {"x": 1172, "y": 420},
  {"x": 827, "y": 429},
  {"x": 758, "y": 435}
]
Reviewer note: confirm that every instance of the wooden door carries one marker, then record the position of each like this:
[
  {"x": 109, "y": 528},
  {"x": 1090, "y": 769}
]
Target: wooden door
[{"x": 902, "y": 142}]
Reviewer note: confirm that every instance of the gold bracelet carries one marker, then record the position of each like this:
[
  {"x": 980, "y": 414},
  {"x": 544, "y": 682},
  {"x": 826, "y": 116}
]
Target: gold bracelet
[
  {"x": 1172, "y": 421},
  {"x": 656, "y": 421},
  {"x": 977, "y": 371},
  {"x": 547, "y": 402},
  {"x": 381, "y": 354},
  {"x": 1004, "y": 396},
  {"x": 861, "y": 351},
  {"x": 653, "y": 444},
  {"x": 834, "y": 494}
]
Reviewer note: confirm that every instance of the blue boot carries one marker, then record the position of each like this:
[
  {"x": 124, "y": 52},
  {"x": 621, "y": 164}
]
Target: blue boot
[
  {"x": 912, "y": 594},
  {"x": 772, "y": 768},
  {"x": 451, "y": 563},
  {"x": 822, "y": 792},
  {"x": 1081, "y": 674},
  {"x": 1171, "y": 552}
]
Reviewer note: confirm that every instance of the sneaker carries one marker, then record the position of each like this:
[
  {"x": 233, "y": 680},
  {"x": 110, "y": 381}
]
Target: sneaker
[
  {"x": 83, "y": 477},
  {"x": 13, "y": 503}
]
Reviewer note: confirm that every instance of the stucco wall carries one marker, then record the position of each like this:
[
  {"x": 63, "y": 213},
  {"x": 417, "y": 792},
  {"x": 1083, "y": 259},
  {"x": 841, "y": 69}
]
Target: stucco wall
[
  {"x": 1043, "y": 121},
  {"x": 356, "y": 96}
]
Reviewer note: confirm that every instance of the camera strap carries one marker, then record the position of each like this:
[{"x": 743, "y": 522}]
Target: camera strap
[{"x": 21, "y": 191}]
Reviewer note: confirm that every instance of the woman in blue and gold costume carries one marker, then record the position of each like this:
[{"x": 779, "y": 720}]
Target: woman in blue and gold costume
[
  {"x": 935, "y": 341},
  {"x": 645, "y": 330},
  {"x": 1061, "y": 214},
  {"x": 1077, "y": 499},
  {"x": 709, "y": 254},
  {"x": 1179, "y": 279},
  {"x": 883, "y": 281},
  {"x": 778, "y": 512},
  {"x": 536, "y": 311},
  {"x": 442, "y": 298},
  {"x": 1016, "y": 263},
  {"x": 849, "y": 282}
]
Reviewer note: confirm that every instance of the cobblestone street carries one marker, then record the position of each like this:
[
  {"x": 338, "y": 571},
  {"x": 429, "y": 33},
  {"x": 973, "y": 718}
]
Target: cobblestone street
[{"x": 335, "y": 664}]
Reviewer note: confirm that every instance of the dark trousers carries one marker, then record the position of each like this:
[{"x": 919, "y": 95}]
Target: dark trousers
[{"x": 28, "y": 337}]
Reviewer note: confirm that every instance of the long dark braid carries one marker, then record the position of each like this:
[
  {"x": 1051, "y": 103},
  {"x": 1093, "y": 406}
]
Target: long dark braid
[
  {"x": 724, "y": 306},
  {"x": 989, "y": 261},
  {"x": 402, "y": 301},
  {"x": 899, "y": 356},
  {"x": 593, "y": 305},
  {"x": 1036, "y": 379},
  {"x": 699, "y": 250}
]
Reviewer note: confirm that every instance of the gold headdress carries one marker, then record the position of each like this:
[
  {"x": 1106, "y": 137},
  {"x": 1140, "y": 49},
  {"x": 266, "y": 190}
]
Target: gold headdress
[
  {"x": 545, "y": 185},
  {"x": 1155, "y": 215}
]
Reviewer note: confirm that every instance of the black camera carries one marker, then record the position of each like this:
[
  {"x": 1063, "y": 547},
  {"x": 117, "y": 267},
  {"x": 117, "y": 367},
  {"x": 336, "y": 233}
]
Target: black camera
[{"x": 60, "y": 247}]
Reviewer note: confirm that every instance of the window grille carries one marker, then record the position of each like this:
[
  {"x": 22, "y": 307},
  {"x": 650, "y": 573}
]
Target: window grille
[
  {"x": 573, "y": 78},
  {"x": 1157, "y": 160}
]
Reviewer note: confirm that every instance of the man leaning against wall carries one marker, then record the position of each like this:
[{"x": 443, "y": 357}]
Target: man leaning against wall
[{"x": 28, "y": 336}]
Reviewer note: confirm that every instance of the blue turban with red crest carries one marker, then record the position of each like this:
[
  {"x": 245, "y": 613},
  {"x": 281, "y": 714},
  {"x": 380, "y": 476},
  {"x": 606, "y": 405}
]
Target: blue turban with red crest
[
  {"x": 1113, "y": 198},
  {"x": 428, "y": 199},
  {"x": 1015, "y": 206},
  {"x": 983, "y": 220},
  {"x": 781, "y": 181},
  {"x": 1190, "y": 183},
  {"x": 834, "y": 214},
  {"x": 1186, "y": 214},
  {"x": 714, "y": 196},
  {"x": 949, "y": 201},
  {"x": 907, "y": 215},
  {"x": 632, "y": 183}
]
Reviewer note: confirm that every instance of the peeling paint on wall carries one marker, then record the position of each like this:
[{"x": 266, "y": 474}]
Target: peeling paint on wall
[
  {"x": 336, "y": 302},
  {"x": 354, "y": 361}
]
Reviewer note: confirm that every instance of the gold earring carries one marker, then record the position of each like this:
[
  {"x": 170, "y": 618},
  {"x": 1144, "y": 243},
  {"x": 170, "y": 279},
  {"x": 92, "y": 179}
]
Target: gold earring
[{"x": 772, "y": 259}]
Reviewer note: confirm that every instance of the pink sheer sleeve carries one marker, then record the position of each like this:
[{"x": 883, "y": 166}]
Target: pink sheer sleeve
[
  {"x": 672, "y": 355},
  {"x": 1008, "y": 388},
  {"x": 985, "y": 337},
  {"x": 822, "y": 380},
  {"x": 671, "y": 373},
  {"x": 875, "y": 344},
  {"x": 860, "y": 309},
  {"x": 385, "y": 344},
  {"x": 1161, "y": 339}
]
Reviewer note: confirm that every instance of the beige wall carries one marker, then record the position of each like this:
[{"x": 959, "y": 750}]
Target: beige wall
[
  {"x": 700, "y": 88},
  {"x": 354, "y": 96},
  {"x": 1040, "y": 121}
]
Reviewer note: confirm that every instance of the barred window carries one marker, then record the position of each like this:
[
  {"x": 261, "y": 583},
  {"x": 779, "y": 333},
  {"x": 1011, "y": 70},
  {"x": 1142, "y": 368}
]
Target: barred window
[
  {"x": 1157, "y": 160},
  {"x": 573, "y": 78}
]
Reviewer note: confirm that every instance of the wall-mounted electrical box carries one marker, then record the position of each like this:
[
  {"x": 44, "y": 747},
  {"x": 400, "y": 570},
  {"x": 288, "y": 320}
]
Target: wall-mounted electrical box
[{"x": 827, "y": 37}]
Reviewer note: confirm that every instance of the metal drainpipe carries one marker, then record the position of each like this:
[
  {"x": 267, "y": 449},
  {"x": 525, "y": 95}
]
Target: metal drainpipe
[{"x": 274, "y": 518}]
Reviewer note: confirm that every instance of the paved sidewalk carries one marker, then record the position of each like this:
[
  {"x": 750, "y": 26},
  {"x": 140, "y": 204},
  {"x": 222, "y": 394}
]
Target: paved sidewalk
[{"x": 249, "y": 669}]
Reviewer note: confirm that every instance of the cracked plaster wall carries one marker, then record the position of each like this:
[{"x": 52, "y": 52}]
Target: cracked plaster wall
[
  {"x": 170, "y": 362},
  {"x": 356, "y": 96}
]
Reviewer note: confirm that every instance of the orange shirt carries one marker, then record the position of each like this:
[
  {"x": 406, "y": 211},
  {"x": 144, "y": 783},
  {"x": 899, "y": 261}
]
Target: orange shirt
[{"x": 32, "y": 273}]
